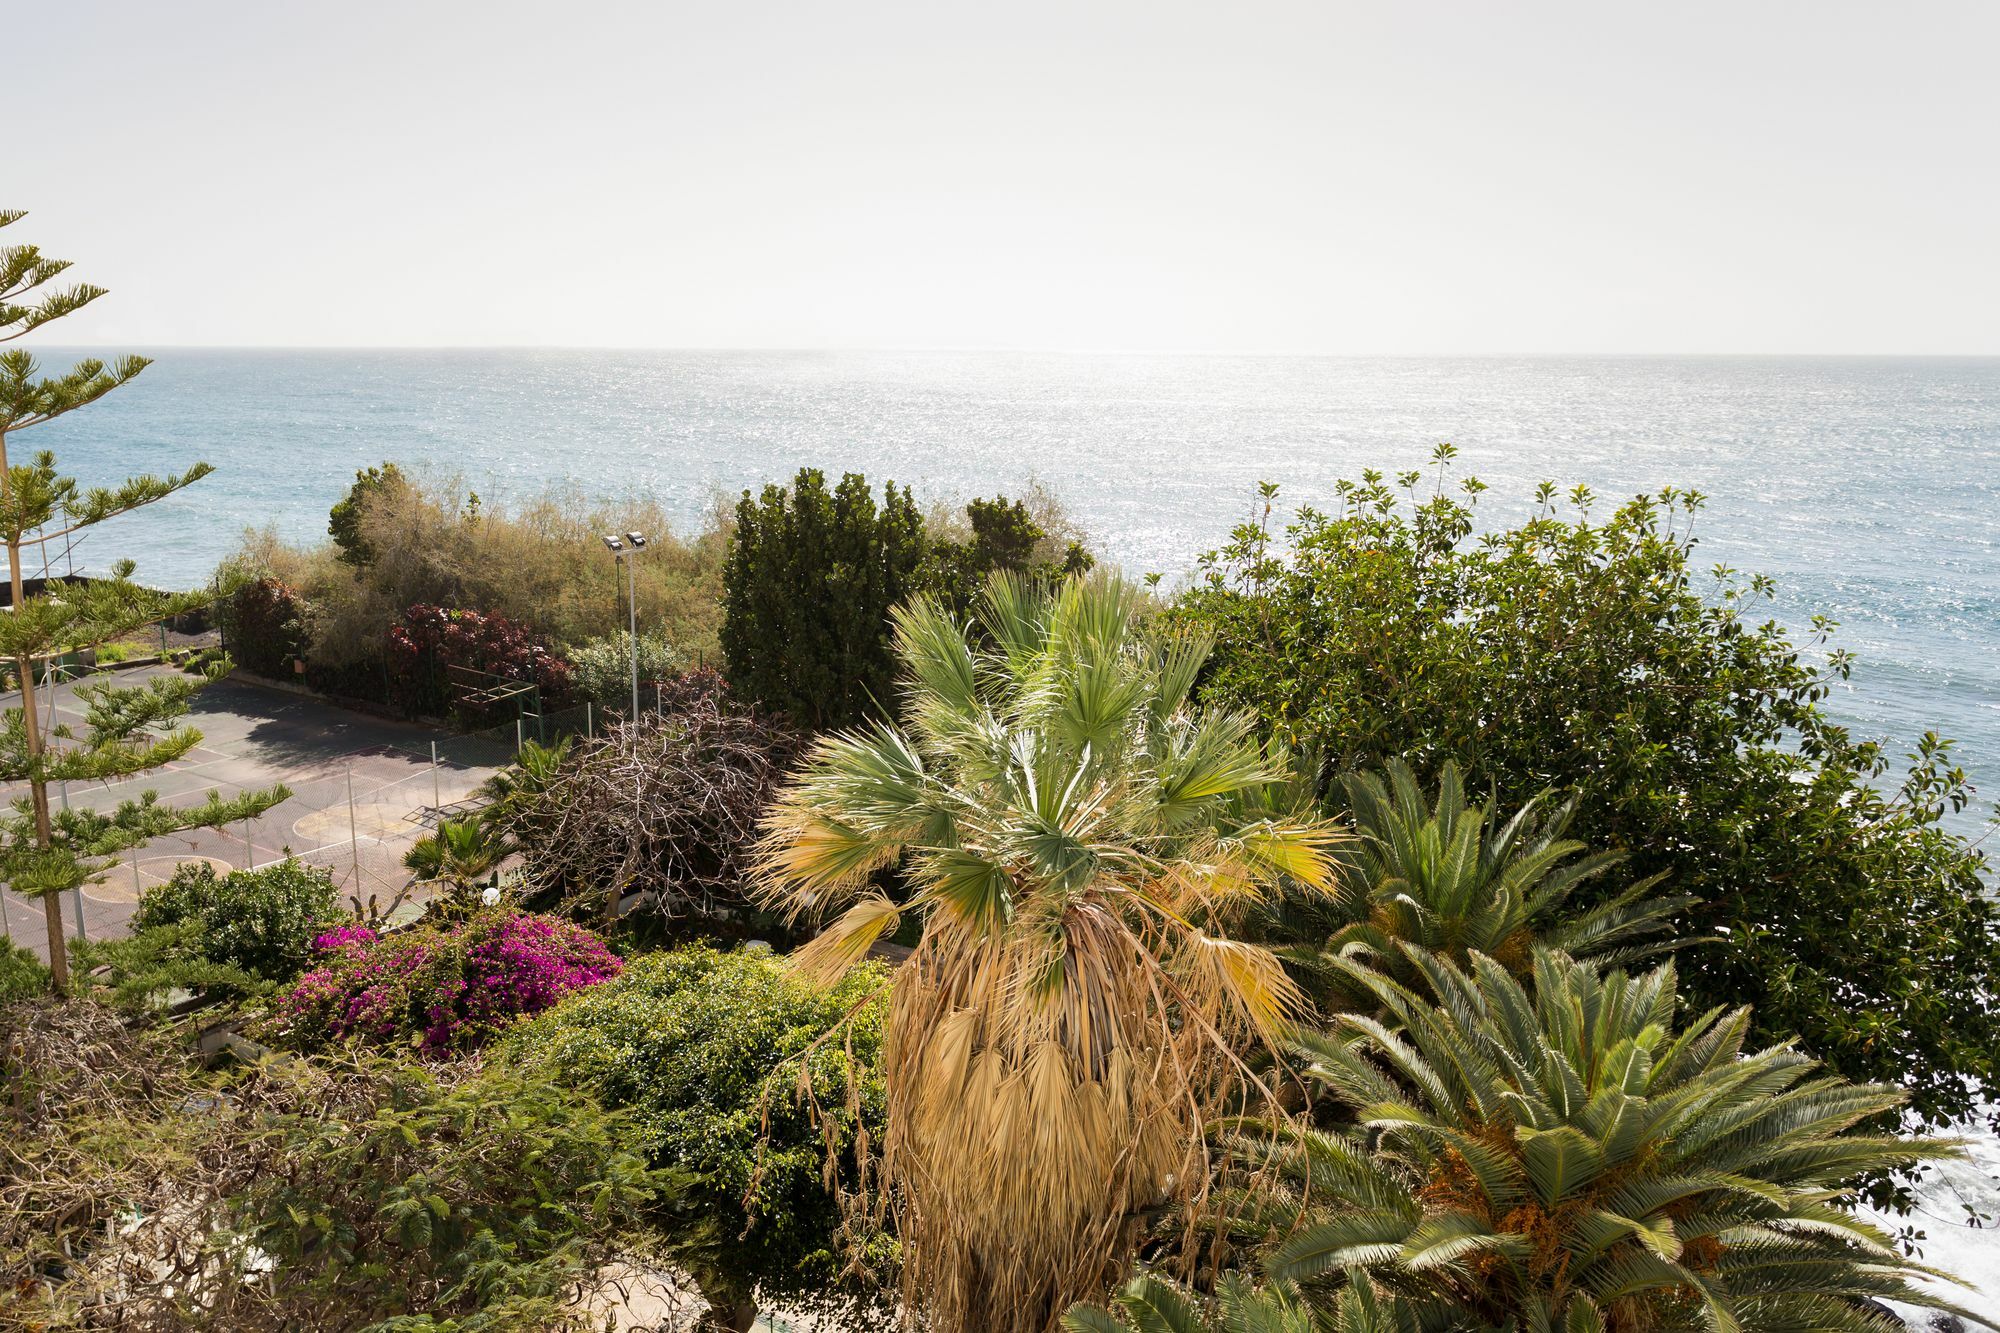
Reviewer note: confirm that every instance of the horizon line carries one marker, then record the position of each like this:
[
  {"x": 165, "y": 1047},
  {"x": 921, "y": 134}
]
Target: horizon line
[{"x": 1003, "y": 350}]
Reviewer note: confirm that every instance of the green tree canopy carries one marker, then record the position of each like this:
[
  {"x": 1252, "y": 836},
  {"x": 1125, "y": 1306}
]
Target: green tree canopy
[
  {"x": 1580, "y": 651},
  {"x": 811, "y": 576}
]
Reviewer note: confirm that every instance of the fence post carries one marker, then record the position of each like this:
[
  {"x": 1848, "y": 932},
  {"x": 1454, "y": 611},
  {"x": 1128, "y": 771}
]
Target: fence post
[
  {"x": 659, "y": 699},
  {"x": 520, "y": 738},
  {"x": 76, "y": 890},
  {"x": 6, "y": 917},
  {"x": 136, "y": 887},
  {"x": 437, "y": 793},
  {"x": 353, "y": 832},
  {"x": 249, "y": 847},
  {"x": 589, "y": 722}
]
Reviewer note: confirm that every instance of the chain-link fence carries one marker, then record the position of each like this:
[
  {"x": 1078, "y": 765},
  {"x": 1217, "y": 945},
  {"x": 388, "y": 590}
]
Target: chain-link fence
[{"x": 354, "y": 813}]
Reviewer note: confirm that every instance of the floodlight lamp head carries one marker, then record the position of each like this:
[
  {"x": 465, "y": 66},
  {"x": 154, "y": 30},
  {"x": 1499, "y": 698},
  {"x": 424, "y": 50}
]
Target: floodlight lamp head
[
  {"x": 636, "y": 540},
  {"x": 611, "y": 543}
]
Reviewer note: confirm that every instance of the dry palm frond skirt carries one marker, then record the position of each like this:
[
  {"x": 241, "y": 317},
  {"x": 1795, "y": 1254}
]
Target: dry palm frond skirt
[{"x": 1038, "y": 1122}]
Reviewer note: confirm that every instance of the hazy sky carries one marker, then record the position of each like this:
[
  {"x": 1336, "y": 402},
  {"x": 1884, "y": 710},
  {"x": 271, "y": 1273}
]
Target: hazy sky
[{"x": 1336, "y": 177}]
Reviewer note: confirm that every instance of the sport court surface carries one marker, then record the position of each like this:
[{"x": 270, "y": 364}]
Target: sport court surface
[{"x": 364, "y": 789}]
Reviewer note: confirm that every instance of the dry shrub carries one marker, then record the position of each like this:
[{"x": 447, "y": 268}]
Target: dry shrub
[
  {"x": 668, "y": 806},
  {"x": 540, "y": 561}
]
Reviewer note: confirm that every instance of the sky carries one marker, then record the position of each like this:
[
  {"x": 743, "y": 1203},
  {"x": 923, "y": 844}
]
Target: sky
[{"x": 1324, "y": 177}]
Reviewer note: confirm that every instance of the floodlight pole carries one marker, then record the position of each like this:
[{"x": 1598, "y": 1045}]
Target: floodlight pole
[{"x": 630, "y": 544}]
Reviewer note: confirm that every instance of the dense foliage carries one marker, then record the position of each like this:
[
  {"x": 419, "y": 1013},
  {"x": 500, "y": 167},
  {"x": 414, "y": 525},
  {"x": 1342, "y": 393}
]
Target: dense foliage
[
  {"x": 262, "y": 921},
  {"x": 426, "y": 642},
  {"x": 21, "y": 973},
  {"x": 1001, "y": 535},
  {"x": 265, "y": 627},
  {"x": 240, "y": 933},
  {"x": 139, "y": 1192},
  {"x": 1581, "y": 653},
  {"x": 666, "y": 807},
  {"x": 723, "y": 1062},
  {"x": 401, "y": 538},
  {"x": 344, "y": 522},
  {"x": 811, "y": 576},
  {"x": 443, "y": 987},
  {"x": 601, "y": 670},
  {"x": 415, "y": 1198}
]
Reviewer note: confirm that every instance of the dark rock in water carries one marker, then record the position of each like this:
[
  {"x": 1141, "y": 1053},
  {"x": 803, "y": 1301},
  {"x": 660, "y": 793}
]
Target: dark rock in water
[{"x": 1940, "y": 1322}]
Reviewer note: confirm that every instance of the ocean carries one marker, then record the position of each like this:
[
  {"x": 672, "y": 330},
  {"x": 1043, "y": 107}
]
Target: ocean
[{"x": 1865, "y": 487}]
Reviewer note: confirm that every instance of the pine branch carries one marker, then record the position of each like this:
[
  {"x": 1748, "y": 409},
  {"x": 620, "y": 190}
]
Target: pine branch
[{"x": 27, "y": 398}]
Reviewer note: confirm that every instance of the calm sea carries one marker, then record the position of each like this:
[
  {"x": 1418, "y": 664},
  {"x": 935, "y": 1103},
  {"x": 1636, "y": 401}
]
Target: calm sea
[{"x": 1866, "y": 487}]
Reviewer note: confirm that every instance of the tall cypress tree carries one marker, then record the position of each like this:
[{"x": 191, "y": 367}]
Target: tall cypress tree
[
  {"x": 128, "y": 730},
  {"x": 810, "y": 578}
]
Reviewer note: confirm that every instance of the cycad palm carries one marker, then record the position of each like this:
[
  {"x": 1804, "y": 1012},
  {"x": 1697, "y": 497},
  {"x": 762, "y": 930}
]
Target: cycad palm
[
  {"x": 1562, "y": 1161},
  {"x": 1453, "y": 877},
  {"x": 1074, "y": 834}
]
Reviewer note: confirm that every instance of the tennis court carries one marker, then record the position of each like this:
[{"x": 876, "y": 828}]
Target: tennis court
[{"x": 363, "y": 789}]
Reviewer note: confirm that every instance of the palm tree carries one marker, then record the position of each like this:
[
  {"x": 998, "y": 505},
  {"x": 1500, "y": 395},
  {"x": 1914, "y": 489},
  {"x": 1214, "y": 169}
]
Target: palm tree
[
  {"x": 1150, "y": 1303},
  {"x": 1452, "y": 877},
  {"x": 1561, "y": 1160},
  {"x": 1075, "y": 837},
  {"x": 461, "y": 852}
]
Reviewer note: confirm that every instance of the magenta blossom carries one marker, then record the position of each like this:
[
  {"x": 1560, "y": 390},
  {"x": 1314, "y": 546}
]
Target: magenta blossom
[{"x": 447, "y": 989}]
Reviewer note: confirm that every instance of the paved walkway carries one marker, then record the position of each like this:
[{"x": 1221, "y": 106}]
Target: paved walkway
[{"x": 363, "y": 789}]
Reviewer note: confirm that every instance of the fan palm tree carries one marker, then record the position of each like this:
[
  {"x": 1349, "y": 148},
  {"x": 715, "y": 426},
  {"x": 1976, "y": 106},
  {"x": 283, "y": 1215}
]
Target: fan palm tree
[
  {"x": 1561, "y": 1160},
  {"x": 1075, "y": 837},
  {"x": 1451, "y": 877},
  {"x": 461, "y": 852}
]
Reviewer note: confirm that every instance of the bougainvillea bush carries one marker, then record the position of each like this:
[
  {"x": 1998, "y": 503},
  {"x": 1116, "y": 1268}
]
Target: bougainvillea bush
[
  {"x": 427, "y": 640},
  {"x": 446, "y": 989}
]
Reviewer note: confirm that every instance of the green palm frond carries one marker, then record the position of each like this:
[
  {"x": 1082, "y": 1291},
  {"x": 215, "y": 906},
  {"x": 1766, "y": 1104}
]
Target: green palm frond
[
  {"x": 1563, "y": 1157},
  {"x": 1449, "y": 875}
]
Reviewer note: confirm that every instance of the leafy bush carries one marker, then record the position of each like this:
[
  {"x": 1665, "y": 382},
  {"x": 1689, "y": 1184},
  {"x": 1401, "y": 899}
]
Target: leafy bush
[
  {"x": 601, "y": 670},
  {"x": 265, "y": 625},
  {"x": 1001, "y": 535},
  {"x": 21, "y": 974},
  {"x": 667, "y": 807},
  {"x": 807, "y": 588},
  {"x": 1566, "y": 1158},
  {"x": 445, "y": 988},
  {"x": 241, "y": 933},
  {"x": 426, "y": 641},
  {"x": 1579, "y": 653},
  {"x": 708, "y": 1050},
  {"x": 436, "y": 1199},
  {"x": 369, "y": 1195}
]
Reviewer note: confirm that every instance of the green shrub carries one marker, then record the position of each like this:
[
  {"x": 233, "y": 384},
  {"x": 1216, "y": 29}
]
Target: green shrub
[
  {"x": 601, "y": 670},
  {"x": 232, "y": 935},
  {"x": 807, "y": 588},
  {"x": 261, "y": 921},
  {"x": 1579, "y": 652},
  {"x": 439, "y": 1199},
  {"x": 21, "y": 974},
  {"x": 705, "y": 1050}
]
